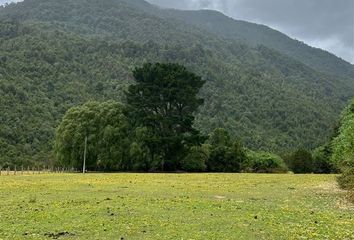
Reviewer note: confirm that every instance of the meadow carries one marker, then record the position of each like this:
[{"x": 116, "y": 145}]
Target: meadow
[{"x": 173, "y": 206}]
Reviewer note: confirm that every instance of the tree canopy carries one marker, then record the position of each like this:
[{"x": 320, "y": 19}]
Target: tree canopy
[
  {"x": 343, "y": 148},
  {"x": 106, "y": 129}
]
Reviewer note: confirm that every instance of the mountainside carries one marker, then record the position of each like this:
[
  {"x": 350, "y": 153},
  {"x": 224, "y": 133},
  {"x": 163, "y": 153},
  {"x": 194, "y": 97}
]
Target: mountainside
[
  {"x": 255, "y": 34},
  {"x": 58, "y": 54}
]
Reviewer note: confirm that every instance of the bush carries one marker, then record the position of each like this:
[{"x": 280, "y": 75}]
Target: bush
[
  {"x": 263, "y": 162},
  {"x": 225, "y": 155},
  {"x": 196, "y": 160},
  {"x": 226, "y": 158},
  {"x": 346, "y": 180},
  {"x": 301, "y": 161}
]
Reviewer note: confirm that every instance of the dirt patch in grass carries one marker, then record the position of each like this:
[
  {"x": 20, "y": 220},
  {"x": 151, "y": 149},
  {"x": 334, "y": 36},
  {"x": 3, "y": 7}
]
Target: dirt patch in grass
[
  {"x": 219, "y": 197},
  {"x": 329, "y": 187},
  {"x": 344, "y": 201}
]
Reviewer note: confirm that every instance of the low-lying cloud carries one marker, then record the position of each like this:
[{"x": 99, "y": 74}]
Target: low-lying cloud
[{"x": 327, "y": 24}]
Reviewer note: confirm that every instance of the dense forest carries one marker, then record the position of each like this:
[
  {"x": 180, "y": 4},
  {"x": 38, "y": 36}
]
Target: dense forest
[{"x": 55, "y": 55}]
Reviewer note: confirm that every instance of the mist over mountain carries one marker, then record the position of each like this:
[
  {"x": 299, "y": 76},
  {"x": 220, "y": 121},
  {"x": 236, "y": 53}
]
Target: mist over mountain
[
  {"x": 331, "y": 28},
  {"x": 272, "y": 92}
]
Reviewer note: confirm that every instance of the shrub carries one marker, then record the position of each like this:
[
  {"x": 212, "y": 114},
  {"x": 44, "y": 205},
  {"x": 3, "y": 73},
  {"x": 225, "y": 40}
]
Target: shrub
[
  {"x": 322, "y": 162},
  {"x": 300, "y": 161},
  {"x": 263, "y": 162},
  {"x": 225, "y": 155},
  {"x": 346, "y": 180},
  {"x": 196, "y": 160}
]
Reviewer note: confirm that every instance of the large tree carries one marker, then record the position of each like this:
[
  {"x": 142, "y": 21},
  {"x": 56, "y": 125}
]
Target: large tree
[
  {"x": 163, "y": 100},
  {"x": 106, "y": 129}
]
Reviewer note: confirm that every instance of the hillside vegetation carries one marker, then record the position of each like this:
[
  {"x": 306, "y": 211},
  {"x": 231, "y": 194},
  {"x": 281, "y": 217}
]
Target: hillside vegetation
[
  {"x": 256, "y": 34},
  {"x": 59, "y": 54}
]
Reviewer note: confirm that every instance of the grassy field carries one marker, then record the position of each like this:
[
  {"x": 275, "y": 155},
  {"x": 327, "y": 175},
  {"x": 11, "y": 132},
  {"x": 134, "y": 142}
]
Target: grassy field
[{"x": 173, "y": 206}]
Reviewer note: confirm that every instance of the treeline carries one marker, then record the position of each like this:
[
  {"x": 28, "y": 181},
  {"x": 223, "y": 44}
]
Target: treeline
[
  {"x": 154, "y": 131},
  {"x": 114, "y": 144}
]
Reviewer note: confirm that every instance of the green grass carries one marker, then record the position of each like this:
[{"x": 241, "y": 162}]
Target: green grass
[{"x": 174, "y": 206}]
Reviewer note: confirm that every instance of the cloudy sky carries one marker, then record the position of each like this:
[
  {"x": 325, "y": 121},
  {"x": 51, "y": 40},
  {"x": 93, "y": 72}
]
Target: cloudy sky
[{"x": 327, "y": 24}]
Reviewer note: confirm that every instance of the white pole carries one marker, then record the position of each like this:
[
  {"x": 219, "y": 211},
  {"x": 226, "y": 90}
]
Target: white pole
[{"x": 84, "y": 166}]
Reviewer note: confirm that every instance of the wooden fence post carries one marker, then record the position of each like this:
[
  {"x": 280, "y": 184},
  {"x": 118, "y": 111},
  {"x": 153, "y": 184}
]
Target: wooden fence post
[{"x": 15, "y": 170}]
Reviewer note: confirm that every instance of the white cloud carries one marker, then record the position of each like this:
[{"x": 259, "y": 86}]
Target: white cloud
[
  {"x": 2, "y": 2},
  {"x": 335, "y": 45}
]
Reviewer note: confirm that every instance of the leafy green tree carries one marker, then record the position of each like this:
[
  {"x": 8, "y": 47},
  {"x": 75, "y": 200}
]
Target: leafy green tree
[
  {"x": 140, "y": 155},
  {"x": 225, "y": 155},
  {"x": 163, "y": 100},
  {"x": 196, "y": 159},
  {"x": 322, "y": 160},
  {"x": 106, "y": 129},
  {"x": 343, "y": 148}
]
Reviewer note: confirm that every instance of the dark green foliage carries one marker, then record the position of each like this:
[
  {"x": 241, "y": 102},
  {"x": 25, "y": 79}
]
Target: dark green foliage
[
  {"x": 106, "y": 129},
  {"x": 196, "y": 159},
  {"x": 300, "y": 161},
  {"x": 139, "y": 153},
  {"x": 163, "y": 100},
  {"x": 58, "y": 54},
  {"x": 343, "y": 143},
  {"x": 225, "y": 155},
  {"x": 322, "y": 160},
  {"x": 263, "y": 162}
]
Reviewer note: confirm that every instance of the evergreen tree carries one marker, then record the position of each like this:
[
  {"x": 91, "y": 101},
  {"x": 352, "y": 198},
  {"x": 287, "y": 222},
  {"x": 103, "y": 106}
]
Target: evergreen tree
[{"x": 163, "y": 100}]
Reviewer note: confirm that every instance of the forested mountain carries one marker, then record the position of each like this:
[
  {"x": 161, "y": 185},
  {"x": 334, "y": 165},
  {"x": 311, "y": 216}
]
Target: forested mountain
[
  {"x": 256, "y": 34},
  {"x": 58, "y": 54}
]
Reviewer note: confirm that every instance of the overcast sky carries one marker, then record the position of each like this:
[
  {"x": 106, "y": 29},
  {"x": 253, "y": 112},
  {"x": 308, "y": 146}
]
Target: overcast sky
[{"x": 327, "y": 24}]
